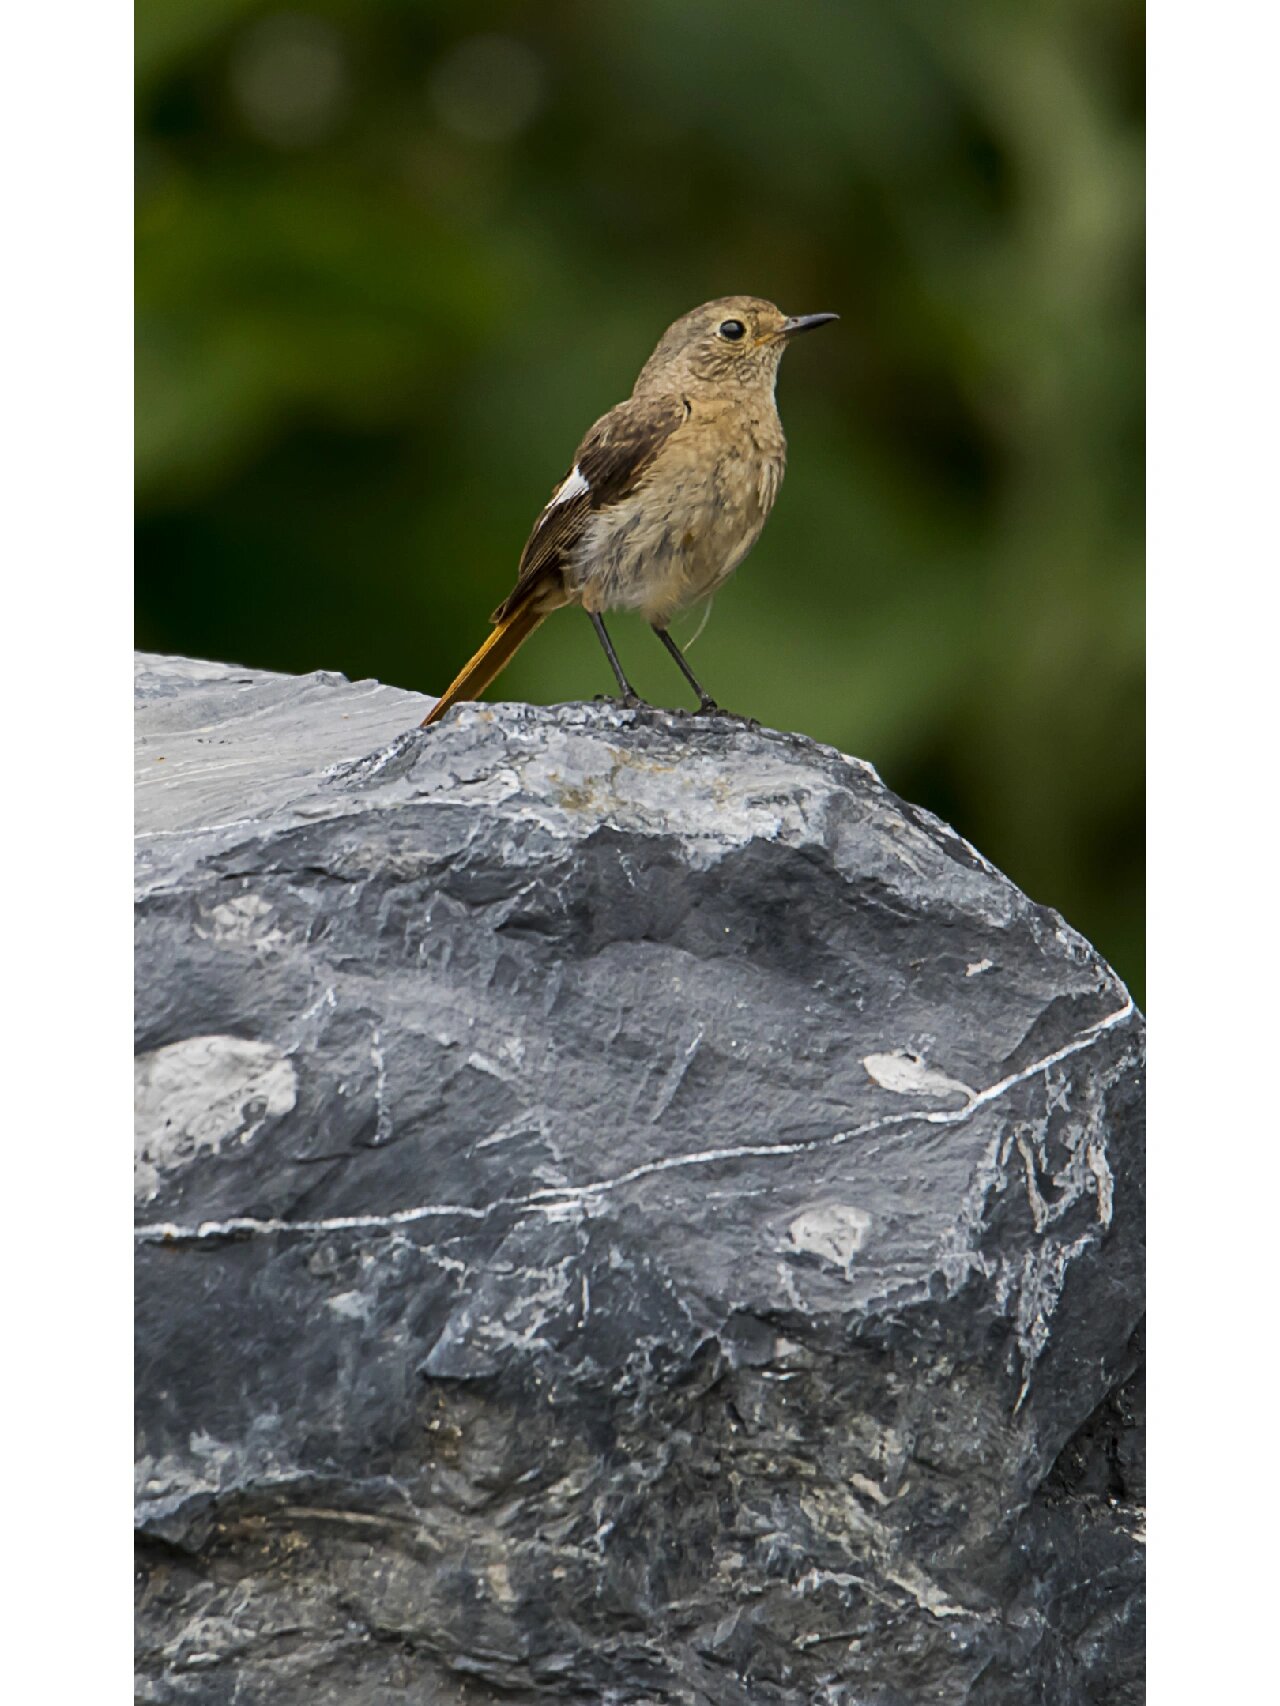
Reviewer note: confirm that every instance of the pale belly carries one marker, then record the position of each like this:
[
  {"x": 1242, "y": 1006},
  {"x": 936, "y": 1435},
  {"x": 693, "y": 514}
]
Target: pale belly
[{"x": 660, "y": 557}]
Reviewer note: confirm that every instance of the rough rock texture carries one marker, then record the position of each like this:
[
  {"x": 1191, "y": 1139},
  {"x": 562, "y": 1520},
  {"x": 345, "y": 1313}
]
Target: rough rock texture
[{"x": 630, "y": 1211}]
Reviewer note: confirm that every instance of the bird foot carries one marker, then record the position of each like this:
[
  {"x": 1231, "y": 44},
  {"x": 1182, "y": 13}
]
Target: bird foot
[{"x": 709, "y": 708}]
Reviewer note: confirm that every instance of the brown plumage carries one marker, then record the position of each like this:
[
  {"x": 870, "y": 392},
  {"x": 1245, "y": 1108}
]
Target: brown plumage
[{"x": 667, "y": 492}]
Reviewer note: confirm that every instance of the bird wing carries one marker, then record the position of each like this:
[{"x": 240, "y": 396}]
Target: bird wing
[{"x": 611, "y": 461}]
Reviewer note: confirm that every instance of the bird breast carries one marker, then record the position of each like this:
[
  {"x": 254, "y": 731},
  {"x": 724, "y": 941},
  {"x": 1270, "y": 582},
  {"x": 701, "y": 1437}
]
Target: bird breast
[{"x": 684, "y": 529}]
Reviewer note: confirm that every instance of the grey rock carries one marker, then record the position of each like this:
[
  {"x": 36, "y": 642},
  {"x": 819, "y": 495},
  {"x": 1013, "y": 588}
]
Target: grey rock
[{"x": 629, "y": 1211}]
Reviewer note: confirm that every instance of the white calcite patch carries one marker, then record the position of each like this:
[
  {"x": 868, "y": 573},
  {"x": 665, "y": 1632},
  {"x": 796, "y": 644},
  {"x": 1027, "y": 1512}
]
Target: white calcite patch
[
  {"x": 907, "y": 1075},
  {"x": 834, "y": 1232},
  {"x": 246, "y": 918},
  {"x": 351, "y": 1305},
  {"x": 199, "y": 1095}
]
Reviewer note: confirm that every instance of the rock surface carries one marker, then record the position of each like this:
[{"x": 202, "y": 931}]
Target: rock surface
[{"x": 629, "y": 1211}]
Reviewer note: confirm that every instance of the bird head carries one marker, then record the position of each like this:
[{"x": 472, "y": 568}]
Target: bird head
[{"x": 735, "y": 341}]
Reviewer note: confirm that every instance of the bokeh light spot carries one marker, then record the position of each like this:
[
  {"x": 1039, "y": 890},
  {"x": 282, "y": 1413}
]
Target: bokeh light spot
[
  {"x": 289, "y": 79},
  {"x": 487, "y": 88}
]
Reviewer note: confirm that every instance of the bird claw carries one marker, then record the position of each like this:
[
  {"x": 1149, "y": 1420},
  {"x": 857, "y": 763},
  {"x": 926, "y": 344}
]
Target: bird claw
[{"x": 709, "y": 708}]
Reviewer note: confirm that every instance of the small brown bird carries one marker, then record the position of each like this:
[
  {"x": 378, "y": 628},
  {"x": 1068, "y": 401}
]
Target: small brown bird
[{"x": 667, "y": 493}]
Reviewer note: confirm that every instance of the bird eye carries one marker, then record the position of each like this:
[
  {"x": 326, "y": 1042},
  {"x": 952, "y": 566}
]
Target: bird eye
[{"x": 732, "y": 329}]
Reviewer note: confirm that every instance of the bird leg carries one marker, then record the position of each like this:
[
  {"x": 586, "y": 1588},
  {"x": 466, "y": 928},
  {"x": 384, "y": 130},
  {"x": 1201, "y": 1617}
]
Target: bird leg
[
  {"x": 705, "y": 701},
  {"x": 629, "y": 694}
]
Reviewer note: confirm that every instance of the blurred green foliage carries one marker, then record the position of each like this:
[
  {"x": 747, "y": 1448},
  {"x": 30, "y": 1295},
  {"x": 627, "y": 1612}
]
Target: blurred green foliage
[{"x": 395, "y": 256}]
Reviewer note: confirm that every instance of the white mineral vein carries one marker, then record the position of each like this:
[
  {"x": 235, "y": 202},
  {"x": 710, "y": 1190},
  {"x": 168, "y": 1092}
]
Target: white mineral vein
[{"x": 555, "y": 1199}]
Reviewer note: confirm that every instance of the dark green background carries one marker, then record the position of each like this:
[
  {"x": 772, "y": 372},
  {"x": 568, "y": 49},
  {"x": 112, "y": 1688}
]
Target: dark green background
[{"x": 393, "y": 259}]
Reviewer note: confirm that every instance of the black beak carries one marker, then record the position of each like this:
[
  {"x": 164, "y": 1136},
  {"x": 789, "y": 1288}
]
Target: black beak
[{"x": 805, "y": 323}]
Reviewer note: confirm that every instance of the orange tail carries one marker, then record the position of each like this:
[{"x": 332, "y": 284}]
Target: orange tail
[{"x": 493, "y": 657}]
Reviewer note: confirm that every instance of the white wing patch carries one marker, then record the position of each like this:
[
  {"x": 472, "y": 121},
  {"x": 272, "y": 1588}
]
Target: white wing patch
[{"x": 573, "y": 486}]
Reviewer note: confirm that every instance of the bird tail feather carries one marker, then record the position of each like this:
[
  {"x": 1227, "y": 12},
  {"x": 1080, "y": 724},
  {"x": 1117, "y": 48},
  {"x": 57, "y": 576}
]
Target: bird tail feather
[{"x": 494, "y": 655}]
